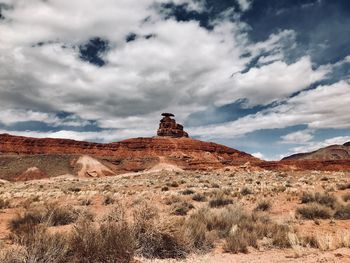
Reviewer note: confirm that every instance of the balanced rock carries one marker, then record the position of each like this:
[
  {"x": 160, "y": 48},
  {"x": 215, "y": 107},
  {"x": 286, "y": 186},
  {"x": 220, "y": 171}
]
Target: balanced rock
[{"x": 169, "y": 128}]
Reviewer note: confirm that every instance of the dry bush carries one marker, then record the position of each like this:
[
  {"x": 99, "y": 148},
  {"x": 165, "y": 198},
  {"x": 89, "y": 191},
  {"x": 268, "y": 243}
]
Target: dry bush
[
  {"x": 86, "y": 202},
  {"x": 181, "y": 208},
  {"x": 315, "y": 211},
  {"x": 157, "y": 239},
  {"x": 51, "y": 215},
  {"x": 320, "y": 198},
  {"x": 58, "y": 215},
  {"x": 238, "y": 228},
  {"x": 4, "y": 203},
  {"x": 343, "y": 186},
  {"x": 263, "y": 205},
  {"x": 108, "y": 200},
  {"x": 342, "y": 212},
  {"x": 38, "y": 247},
  {"x": 246, "y": 191},
  {"x": 238, "y": 242},
  {"x": 188, "y": 192},
  {"x": 196, "y": 230},
  {"x": 23, "y": 224},
  {"x": 220, "y": 199},
  {"x": 346, "y": 197},
  {"x": 108, "y": 242},
  {"x": 199, "y": 198}
]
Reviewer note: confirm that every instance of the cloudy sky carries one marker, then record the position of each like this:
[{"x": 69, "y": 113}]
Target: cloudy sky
[{"x": 268, "y": 77}]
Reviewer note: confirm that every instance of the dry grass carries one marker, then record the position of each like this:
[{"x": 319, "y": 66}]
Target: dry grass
[
  {"x": 263, "y": 205},
  {"x": 238, "y": 228},
  {"x": 157, "y": 239},
  {"x": 51, "y": 215},
  {"x": 346, "y": 197},
  {"x": 4, "y": 203},
  {"x": 181, "y": 208},
  {"x": 220, "y": 200},
  {"x": 38, "y": 247},
  {"x": 342, "y": 212},
  {"x": 320, "y": 198},
  {"x": 199, "y": 197},
  {"x": 315, "y": 211},
  {"x": 109, "y": 242}
]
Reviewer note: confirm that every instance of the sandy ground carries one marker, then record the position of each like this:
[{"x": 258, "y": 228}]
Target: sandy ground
[
  {"x": 165, "y": 183},
  {"x": 272, "y": 256}
]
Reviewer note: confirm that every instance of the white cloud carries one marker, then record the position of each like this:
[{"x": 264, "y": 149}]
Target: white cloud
[
  {"x": 323, "y": 107},
  {"x": 183, "y": 69},
  {"x": 258, "y": 155},
  {"x": 245, "y": 4},
  {"x": 299, "y": 137},
  {"x": 106, "y": 136}
]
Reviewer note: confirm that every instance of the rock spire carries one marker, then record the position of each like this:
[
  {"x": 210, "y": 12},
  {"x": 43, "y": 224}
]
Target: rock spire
[{"x": 169, "y": 128}]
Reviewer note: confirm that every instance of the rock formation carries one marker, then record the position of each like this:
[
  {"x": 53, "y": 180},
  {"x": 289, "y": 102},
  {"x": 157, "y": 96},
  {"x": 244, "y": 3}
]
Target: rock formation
[
  {"x": 132, "y": 155},
  {"x": 32, "y": 173},
  {"x": 169, "y": 128}
]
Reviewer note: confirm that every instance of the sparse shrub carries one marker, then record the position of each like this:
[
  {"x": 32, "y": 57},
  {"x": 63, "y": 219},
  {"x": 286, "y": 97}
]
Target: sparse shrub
[
  {"x": 165, "y": 188},
  {"x": 346, "y": 197},
  {"x": 41, "y": 247},
  {"x": 188, "y": 192},
  {"x": 344, "y": 186},
  {"x": 86, "y": 202},
  {"x": 199, "y": 198},
  {"x": 74, "y": 189},
  {"x": 110, "y": 242},
  {"x": 181, "y": 208},
  {"x": 173, "y": 199},
  {"x": 220, "y": 200},
  {"x": 4, "y": 203},
  {"x": 174, "y": 184},
  {"x": 58, "y": 215},
  {"x": 321, "y": 198},
  {"x": 246, "y": 191},
  {"x": 108, "y": 200},
  {"x": 52, "y": 215},
  {"x": 156, "y": 239},
  {"x": 263, "y": 205},
  {"x": 23, "y": 224},
  {"x": 342, "y": 212},
  {"x": 237, "y": 242},
  {"x": 238, "y": 228},
  {"x": 195, "y": 229},
  {"x": 315, "y": 211}
]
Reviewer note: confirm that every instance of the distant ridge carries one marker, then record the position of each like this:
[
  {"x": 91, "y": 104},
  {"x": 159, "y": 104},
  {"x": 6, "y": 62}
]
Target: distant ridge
[{"x": 333, "y": 152}]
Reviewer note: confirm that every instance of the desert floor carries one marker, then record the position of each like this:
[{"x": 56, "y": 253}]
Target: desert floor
[{"x": 176, "y": 197}]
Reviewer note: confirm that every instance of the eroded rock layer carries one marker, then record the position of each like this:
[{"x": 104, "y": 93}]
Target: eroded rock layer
[{"x": 130, "y": 155}]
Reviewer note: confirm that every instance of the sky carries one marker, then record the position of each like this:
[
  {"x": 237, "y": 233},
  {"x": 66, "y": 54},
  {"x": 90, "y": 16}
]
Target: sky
[{"x": 271, "y": 78}]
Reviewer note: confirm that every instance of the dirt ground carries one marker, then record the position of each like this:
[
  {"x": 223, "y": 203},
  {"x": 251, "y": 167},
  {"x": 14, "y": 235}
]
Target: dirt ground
[{"x": 163, "y": 188}]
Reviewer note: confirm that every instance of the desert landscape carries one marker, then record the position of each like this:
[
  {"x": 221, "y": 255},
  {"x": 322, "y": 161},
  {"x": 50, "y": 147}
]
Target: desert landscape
[
  {"x": 170, "y": 198},
  {"x": 174, "y": 131}
]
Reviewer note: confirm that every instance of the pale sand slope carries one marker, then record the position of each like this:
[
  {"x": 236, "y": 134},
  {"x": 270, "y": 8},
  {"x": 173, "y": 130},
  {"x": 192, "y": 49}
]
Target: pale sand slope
[{"x": 90, "y": 167}]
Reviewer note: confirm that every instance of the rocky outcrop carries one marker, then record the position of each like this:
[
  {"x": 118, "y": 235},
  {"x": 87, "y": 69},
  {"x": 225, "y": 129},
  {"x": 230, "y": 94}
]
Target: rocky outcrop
[
  {"x": 32, "y": 173},
  {"x": 169, "y": 128},
  {"x": 347, "y": 144},
  {"x": 130, "y": 155}
]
